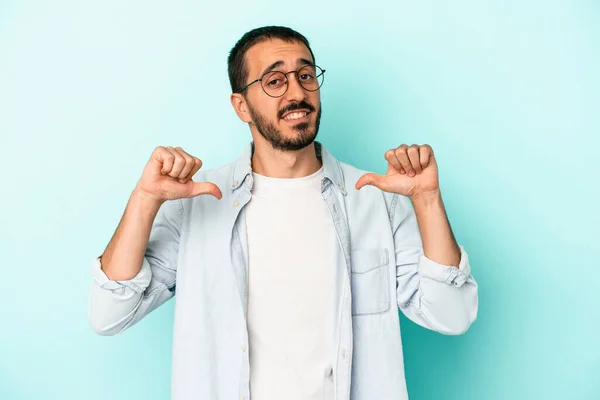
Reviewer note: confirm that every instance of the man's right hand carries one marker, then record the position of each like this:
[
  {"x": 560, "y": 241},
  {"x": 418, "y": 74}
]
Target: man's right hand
[{"x": 168, "y": 176}]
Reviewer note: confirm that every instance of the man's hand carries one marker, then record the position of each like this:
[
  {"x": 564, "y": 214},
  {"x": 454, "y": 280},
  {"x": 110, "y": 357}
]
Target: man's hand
[
  {"x": 168, "y": 176},
  {"x": 412, "y": 171}
]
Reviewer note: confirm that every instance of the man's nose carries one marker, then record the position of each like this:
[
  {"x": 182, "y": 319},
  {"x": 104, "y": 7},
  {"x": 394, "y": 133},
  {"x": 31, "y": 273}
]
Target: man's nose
[{"x": 295, "y": 91}]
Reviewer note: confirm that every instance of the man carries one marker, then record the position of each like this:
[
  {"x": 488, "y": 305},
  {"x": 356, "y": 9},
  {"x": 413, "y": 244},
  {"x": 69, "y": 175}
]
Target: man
[{"x": 288, "y": 276}]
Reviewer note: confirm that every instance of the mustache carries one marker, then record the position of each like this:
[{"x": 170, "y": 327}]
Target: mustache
[{"x": 295, "y": 106}]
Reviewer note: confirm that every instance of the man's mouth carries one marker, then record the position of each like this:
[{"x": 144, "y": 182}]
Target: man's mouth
[{"x": 295, "y": 115}]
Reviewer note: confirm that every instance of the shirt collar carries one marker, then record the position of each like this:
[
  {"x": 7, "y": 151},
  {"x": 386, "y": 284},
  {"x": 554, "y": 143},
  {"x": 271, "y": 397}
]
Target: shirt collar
[{"x": 242, "y": 169}]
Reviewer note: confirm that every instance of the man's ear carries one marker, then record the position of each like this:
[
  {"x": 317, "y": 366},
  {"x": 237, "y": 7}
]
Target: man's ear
[{"x": 241, "y": 107}]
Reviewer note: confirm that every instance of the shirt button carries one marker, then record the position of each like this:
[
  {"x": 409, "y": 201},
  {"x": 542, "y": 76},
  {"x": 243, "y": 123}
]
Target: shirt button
[
  {"x": 235, "y": 183},
  {"x": 242, "y": 397},
  {"x": 244, "y": 348},
  {"x": 341, "y": 187},
  {"x": 236, "y": 203},
  {"x": 344, "y": 354}
]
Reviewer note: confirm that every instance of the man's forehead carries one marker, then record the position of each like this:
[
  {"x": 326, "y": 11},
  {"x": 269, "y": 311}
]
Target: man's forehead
[{"x": 266, "y": 53}]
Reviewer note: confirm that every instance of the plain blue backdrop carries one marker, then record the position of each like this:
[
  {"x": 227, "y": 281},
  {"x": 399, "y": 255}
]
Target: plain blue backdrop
[{"x": 506, "y": 92}]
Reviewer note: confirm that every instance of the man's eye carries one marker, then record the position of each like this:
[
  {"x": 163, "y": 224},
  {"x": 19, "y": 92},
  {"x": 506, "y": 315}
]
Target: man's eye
[
  {"x": 306, "y": 77},
  {"x": 274, "y": 82}
]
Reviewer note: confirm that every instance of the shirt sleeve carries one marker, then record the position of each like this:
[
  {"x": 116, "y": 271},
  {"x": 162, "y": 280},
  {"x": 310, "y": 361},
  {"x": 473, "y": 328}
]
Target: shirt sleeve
[
  {"x": 443, "y": 298},
  {"x": 117, "y": 305}
]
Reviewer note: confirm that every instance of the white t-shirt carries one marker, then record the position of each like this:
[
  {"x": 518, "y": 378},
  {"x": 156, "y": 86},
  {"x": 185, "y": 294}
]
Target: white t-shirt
[{"x": 292, "y": 248}]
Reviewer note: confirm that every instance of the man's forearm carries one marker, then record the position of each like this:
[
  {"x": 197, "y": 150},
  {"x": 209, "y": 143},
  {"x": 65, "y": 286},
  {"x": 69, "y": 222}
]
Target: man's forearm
[
  {"x": 124, "y": 255},
  {"x": 439, "y": 243}
]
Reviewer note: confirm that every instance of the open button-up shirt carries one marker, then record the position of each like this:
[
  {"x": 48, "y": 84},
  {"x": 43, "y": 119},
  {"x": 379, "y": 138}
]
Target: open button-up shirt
[{"x": 198, "y": 250}]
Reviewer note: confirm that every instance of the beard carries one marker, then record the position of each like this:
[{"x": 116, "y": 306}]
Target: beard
[{"x": 304, "y": 134}]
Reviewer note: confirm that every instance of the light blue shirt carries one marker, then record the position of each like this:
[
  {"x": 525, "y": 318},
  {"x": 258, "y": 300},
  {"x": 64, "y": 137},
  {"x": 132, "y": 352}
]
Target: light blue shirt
[{"x": 198, "y": 249}]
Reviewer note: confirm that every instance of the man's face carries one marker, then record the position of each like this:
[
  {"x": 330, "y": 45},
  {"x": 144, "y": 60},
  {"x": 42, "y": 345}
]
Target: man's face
[{"x": 289, "y": 122}]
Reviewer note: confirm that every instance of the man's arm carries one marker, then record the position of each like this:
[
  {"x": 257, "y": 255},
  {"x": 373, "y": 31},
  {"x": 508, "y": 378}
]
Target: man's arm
[
  {"x": 438, "y": 240},
  {"x": 433, "y": 277},
  {"x": 122, "y": 259},
  {"x": 137, "y": 271},
  {"x": 441, "y": 296}
]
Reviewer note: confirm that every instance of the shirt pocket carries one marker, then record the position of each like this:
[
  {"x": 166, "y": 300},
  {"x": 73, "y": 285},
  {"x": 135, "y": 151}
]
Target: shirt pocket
[{"x": 369, "y": 281}]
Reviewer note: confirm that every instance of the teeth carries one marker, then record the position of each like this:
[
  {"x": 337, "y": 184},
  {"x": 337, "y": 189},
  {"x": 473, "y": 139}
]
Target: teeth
[{"x": 296, "y": 115}]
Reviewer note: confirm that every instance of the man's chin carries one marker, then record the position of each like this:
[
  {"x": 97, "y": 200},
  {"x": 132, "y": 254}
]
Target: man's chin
[
  {"x": 303, "y": 130},
  {"x": 301, "y": 127},
  {"x": 297, "y": 139}
]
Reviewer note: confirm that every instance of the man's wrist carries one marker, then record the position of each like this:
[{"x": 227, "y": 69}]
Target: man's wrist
[
  {"x": 147, "y": 200},
  {"x": 426, "y": 199}
]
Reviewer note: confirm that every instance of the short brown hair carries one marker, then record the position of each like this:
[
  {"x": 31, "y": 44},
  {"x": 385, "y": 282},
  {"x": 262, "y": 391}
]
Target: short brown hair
[{"x": 236, "y": 62}]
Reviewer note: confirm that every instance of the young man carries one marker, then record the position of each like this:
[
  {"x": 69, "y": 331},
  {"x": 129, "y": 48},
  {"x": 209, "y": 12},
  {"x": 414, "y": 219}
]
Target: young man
[{"x": 289, "y": 276}]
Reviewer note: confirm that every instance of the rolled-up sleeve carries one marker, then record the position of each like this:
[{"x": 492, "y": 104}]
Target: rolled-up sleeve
[
  {"x": 122, "y": 290},
  {"x": 443, "y": 298},
  {"x": 116, "y": 305}
]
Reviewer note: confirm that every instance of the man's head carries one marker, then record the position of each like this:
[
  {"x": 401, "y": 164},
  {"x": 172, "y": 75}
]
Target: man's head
[{"x": 286, "y": 115}]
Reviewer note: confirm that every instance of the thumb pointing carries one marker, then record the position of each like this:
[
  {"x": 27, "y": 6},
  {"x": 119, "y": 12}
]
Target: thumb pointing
[
  {"x": 367, "y": 179},
  {"x": 206, "y": 188}
]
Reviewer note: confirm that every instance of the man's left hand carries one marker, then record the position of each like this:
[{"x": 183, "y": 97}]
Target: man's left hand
[{"x": 412, "y": 171}]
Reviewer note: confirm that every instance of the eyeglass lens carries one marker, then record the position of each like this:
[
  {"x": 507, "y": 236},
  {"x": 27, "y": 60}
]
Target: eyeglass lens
[{"x": 275, "y": 83}]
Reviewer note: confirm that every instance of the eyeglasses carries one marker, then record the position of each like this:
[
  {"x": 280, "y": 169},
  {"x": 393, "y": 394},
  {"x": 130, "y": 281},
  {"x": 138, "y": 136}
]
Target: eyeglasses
[{"x": 275, "y": 83}]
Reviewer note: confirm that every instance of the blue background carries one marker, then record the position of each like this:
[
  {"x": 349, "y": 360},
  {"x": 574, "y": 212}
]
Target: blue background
[{"x": 506, "y": 92}]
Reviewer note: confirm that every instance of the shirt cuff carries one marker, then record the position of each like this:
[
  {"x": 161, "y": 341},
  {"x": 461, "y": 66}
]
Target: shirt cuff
[
  {"x": 451, "y": 275},
  {"x": 138, "y": 283}
]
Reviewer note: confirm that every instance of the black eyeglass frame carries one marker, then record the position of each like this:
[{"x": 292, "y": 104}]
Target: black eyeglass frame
[{"x": 317, "y": 75}]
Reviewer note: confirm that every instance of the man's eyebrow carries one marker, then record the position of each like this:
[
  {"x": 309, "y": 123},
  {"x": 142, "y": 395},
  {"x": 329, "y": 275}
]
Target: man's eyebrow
[
  {"x": 304, "y": 61},
  {"x": 277, "y": 64},
  {"x": 272, "y": 67}
]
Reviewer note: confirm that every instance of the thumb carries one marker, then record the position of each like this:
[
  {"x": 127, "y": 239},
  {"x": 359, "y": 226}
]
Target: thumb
[
  {"x": 199, "y": 188},
  {"x": 369, "y": 179}
]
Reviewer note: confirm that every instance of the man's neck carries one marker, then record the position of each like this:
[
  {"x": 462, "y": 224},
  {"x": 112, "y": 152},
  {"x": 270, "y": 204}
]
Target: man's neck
[{"x": 275, "y": 163}]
